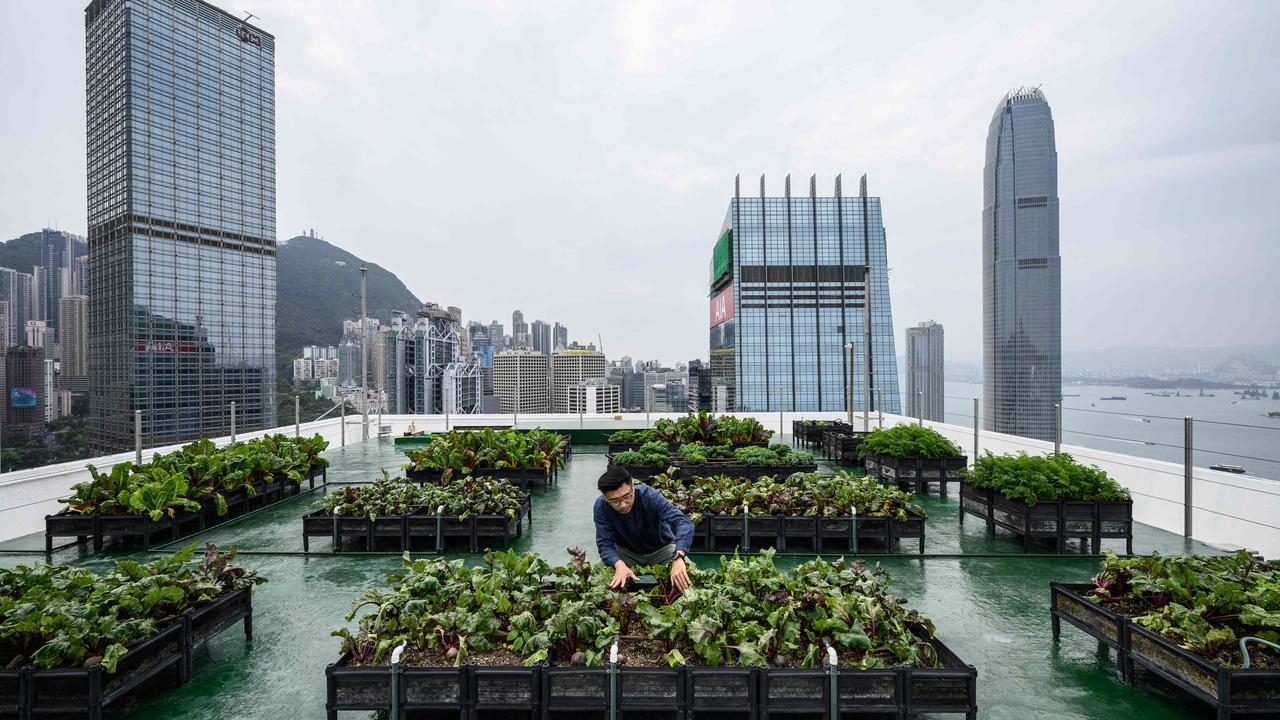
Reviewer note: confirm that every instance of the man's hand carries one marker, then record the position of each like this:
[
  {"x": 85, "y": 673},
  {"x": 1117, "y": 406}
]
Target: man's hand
[
  {"x": 620, "y": 575},
  {"x": 679, "y": 575}
]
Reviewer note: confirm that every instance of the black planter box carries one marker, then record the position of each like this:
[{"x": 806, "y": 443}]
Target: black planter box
[
  {"x": 1089, "y": 521},
  {"x": 101, "y": 528},
  {"x": 420, "y": 528},
  {"x": 842, "y": 446},
  {"x": 680, "y": 691},
  {"x": 617, "y": 447},
  {"x": 359, "y": 688},
  {"x": 917, "y": 473},
  {"x": 811, "y": 434},
  {"x": 525, "y": 478},
  {"x": 83, "y": 692},
  {"x": 812, "y": 534},
  {"x": 688, "y": 472},
  {"x": 1228, "y": 690}
]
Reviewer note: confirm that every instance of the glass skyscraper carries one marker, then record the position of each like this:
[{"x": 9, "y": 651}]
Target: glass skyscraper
[
  {"x": 1021, "y": 269},
  {"x": 788, "y": 292},
  {"x": 182, "y": 221}
]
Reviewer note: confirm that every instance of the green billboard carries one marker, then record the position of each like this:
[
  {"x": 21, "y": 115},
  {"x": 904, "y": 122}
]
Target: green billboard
[{"x": 722, "y": 256}]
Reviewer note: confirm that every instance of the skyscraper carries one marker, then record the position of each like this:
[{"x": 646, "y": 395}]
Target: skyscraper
[
  {"x": 924, "y": 371},
  {"x": 496, "y": 333},
  {"x": 73, "y": 327},
  {"x": 570, "y": 368},
  {"x": 520, "y": 381},
  {"x": 1021, "y": 269},
  {"x": 559, "y": 338},
  {"x": 57, "y": 257},
  {"x": 520, "y": 331},
  {"x": 542, "y": 337},
  {"x": 789, "y": 290},
  {"x": 18, "y": 290},
  {"x": 24, "y": 375},
  {"x": 182, "y": 221}
]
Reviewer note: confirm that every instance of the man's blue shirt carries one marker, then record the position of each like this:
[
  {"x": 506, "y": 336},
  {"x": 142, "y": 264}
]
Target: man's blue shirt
[{"x": 652, "y": 523}]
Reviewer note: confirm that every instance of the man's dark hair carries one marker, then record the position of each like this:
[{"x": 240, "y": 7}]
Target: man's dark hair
[{"x": 613, "y": 478}]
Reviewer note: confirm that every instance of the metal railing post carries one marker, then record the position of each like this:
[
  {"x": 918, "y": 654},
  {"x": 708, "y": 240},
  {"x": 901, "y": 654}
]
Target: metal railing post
[
  {"x": 1186, "y": 476},
  {"x": 297, "y": 416},
  {"x": 137, "y": 437},
  {"x": 233, "y": 422},
  {"x": 344, "y": 422},
  {"x": 920, "y": 408},
  {"x": 880, "y": 408},
  {"x": 975, "y": 431},
  {"x": 446, "y": 419},
  {"x": 1057, "y": 428}
]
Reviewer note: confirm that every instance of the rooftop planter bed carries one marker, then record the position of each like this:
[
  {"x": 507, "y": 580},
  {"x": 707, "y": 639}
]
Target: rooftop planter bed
[
  {"x": 187, "y": 490},
  {"x": 912, "y": 456},
  {"x": 73, "y": 641},
  {"x": 815, "y": 512},
  {"x": 477, "y": 511},
  {"x": 1183, "y": 619},
  {"x": 689, "y": 461},
  {"x": 1047, "y": 497},
  {"x": 523, "y": 457},
  {"x": 422, "y": 438},
  {"x": 809, "y": 432},
  {"x": 843, "y": 446},
  {"x": 520, "y": 635},
  {"x": 700, "y": 429}
]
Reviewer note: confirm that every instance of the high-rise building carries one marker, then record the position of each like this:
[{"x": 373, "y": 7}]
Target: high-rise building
[
  {"x": 18, "y": 290},
  {"x": 24, "y": 374},
  {"x": 73, "y": 318},
  {"x": 303, "y": 370},
  {"x": 348, "y": 364},
  {"x": 57, "y": 257},
  {"x": 541, "y": 333},
  {"x": 789, "y": 281},
  {"x": 701, "y": 395},
  {"x": 80, "y": 276},
  {"x": 427, "y": 373},
  {"x": 180, "y": 119},
  {"x": 559, "y": 338},
  {"x": 924, "y": 372},
  {"x": 1021, "y": 269},
  {"x": 6, "y": 330},
  {"x": 594, "y": 396},
  {"x": 520, "y": 380},
  {"x": 38, "y": 334},
  {"x": 573, "y": 367},
  {"x": 497, "y": 336},
  {"x": 520, "y": 331}
]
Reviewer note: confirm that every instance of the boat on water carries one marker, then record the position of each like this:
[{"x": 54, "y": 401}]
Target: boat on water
[
  {"x": 1274, "y": 414},
  {"x": 1205, "y": 394},
  {"x": 1162, "y": 393},
  {"x": 1146, "y": 420},
  {"x": 1224, "y": 467},
  {"x": 1275, "y": 395},
  {"x": 1114, "y": 397}
]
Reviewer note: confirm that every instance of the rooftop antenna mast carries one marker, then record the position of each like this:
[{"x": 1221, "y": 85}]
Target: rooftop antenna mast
[{"x": 249, "y": 16}]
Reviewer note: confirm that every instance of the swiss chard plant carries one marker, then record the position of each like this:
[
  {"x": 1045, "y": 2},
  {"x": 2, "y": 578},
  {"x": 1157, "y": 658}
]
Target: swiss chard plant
[
  {"x": 387, "y": 496},
  {"x": 62, "y": 616},
  {"x": 463, "y": 452},
  {"x": 1204, "y": 604},
  {"x": 801, "y": 494}
]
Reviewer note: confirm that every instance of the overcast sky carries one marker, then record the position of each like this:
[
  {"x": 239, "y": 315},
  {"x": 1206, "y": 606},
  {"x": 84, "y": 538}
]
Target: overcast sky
[{"x": 576, "y": 160}]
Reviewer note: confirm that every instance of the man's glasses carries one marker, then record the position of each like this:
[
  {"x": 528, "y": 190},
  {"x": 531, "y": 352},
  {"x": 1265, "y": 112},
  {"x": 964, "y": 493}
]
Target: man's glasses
[{"x": 620, "y": 501}]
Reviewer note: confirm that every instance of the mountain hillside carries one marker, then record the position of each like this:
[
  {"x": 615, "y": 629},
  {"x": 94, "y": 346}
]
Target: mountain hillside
[
  {"x": 318, "y": 286},
  {"x": 23, "y": 252}
]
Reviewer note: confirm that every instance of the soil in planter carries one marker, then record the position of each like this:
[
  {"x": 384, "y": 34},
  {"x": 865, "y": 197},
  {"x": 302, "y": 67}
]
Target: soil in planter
[{"x": 436, "y": 657}]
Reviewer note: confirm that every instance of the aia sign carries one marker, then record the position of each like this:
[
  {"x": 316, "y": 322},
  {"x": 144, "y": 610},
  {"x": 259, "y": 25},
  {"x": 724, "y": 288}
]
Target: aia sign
[{"x": 722, "y": 306}]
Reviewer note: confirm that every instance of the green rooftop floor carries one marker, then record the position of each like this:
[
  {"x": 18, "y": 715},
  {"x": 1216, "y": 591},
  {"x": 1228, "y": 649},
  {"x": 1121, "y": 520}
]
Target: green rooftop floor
[{"x": 990, "y": 604}]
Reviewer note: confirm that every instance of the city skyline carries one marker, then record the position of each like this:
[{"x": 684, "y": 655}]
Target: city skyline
[{"x": 1132, "y": 196}]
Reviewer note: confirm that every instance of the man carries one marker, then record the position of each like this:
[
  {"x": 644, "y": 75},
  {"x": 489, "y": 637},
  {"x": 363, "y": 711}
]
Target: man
[{"x": 638, "y": 526}]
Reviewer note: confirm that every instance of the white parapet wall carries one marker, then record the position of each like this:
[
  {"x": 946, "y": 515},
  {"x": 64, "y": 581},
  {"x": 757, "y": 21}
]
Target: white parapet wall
[{"x": 1228, "y": 510}]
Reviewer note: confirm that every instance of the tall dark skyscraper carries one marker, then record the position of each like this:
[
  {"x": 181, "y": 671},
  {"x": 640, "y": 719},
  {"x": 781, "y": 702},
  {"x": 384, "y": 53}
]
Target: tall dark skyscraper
[
  {"x": 789, "y": 288},
  {"x": 182, "y": 221},
  {"x": 57, "y": 257},
  {"x": 1021, "y": 269}
]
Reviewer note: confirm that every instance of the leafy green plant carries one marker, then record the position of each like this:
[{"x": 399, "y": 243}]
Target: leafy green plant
[
  {"x": 746, "y": 612},
  {"x": 908, "y": 441},
  {"x": 464, "y": 496},
  {"x": 61, "y": 616},
  {"x": 463, "y": 452},
  {"x": 1204, "y": 604},
  {"x": 1032, "y": 478},
  {"x": 799, "y": 494}
]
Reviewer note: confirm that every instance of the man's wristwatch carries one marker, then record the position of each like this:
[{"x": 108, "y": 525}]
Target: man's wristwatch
[{"x": 679, "y": 555}]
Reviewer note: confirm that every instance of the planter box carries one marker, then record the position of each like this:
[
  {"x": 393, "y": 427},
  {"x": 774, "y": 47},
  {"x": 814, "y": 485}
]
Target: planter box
[
  {"x": 83, "y": 692},
  {"x": 100, "y": 528},
  {"x": 812, "y": 434},
  {"x": 917, "y": 473},
  {"x": 1087, "y": 520},
  {"x": 358, "y": 688},
  {"x": 814, "y": 534},
  {"x": 419, "y": 528},
  {"x": 842, "y": 446},
  {"x": 617, "y": 447},
  {"x": 1228, "y": 690},
  {"x": 525, "y": 478},
  {"x": 680, "y": 691}
]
